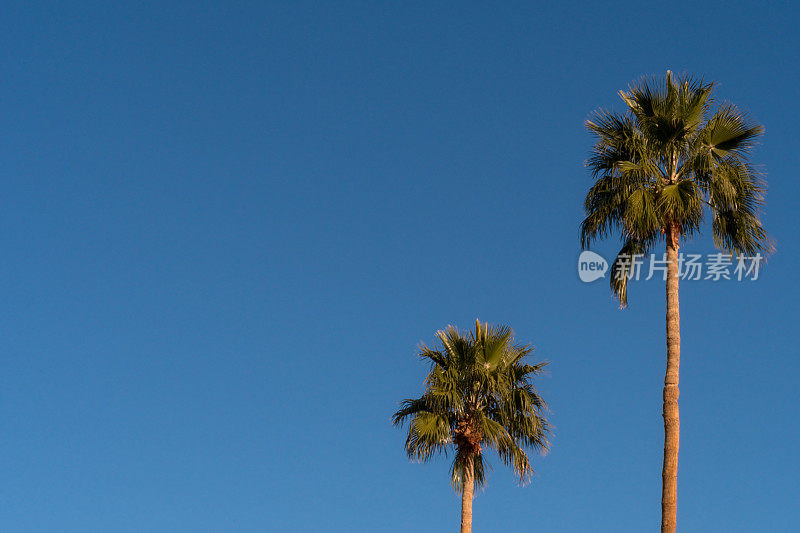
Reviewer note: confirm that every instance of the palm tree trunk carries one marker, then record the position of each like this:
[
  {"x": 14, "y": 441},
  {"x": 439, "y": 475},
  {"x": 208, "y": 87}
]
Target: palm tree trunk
[
  {"x": 467, "y": 495},
  {"x": 669, "y": 472}
]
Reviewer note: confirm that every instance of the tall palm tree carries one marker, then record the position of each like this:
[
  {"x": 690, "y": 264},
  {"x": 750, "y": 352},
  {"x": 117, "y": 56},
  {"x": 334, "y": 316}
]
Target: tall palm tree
[
  {"x": 672, "y": 157},
  {"x": 478, "y": 394}
]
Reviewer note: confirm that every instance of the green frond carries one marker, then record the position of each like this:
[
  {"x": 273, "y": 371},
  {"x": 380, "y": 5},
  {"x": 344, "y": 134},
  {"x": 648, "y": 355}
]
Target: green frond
[
  {"x": 458, "y": 467},
  {"x": 606, "y": 203},
  {"x": 640, "y": 218},
  {"x": 495, "y": 346},
  {"x": 523, "y": 370},
  {"x": 612, "y": 130},
  {"x": 494, "y": 434},
  {"x": 681, "y": 203},
  {"x": 735, "y": 193},
  {"x": 669, "y": 111},
  {"x": 410, "y": 407},
  {"x": 622, "y": 268},
  {"x": 740, "y": 232},
  {"x": 515, "y": 458},
  {"x": 457, "y": 346},
  {"x": 731, "y": 133},
  {"x": 523, "y": 417},
  {"x": 428, "y": 434},
  {"x": 434, "y": 356}
]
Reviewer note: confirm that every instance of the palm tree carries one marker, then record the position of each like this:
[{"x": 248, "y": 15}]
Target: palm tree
[
  {"x": 672, "y": 157},
  {"x": 478, "y": 394}
]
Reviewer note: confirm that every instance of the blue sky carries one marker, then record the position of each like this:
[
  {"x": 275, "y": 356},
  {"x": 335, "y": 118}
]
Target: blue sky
[{"x": 227, "y": 226}]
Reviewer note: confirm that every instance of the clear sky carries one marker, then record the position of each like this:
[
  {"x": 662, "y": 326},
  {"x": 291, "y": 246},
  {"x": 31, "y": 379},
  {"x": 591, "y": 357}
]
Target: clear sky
[{"x": 226, "y": 227}]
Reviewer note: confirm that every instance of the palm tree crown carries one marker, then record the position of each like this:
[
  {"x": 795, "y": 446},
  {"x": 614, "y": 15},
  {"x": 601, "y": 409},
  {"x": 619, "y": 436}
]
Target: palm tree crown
[
  {"x": 662, "y": 164},
  {"x": 478, "y": 394}
]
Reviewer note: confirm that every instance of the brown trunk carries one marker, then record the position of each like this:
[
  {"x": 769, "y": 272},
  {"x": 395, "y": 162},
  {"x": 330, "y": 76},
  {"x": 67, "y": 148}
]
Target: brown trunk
[
  {"x": 669, "y": 472},
  {"x": 466, "y": 497}
]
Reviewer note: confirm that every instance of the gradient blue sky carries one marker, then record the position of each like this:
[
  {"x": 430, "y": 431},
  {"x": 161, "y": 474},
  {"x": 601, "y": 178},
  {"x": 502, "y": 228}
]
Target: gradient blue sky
[{"x": 226, "y": 226}]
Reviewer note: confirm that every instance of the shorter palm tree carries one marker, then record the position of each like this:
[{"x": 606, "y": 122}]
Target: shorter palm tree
[{"x": 479, "y": 393}]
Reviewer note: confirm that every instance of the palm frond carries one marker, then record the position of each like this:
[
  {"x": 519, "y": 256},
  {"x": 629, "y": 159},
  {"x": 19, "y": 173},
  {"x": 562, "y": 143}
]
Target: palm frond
[
  {"x": 623, "y": 265},
  {"x": 731, "y": 133},
  {"x": 458, "y": 469}
]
